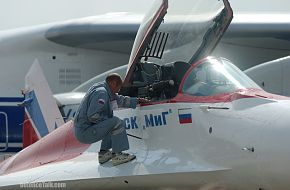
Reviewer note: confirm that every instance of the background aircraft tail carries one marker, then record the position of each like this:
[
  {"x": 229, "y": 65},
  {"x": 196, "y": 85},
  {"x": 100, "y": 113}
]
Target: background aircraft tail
[{"x": 42, "y": 115}]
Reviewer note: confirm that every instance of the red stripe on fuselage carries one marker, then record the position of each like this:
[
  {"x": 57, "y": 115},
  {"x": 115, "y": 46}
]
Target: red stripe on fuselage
[
  {"x": 227, "y": 97},
  {"x": 29, "y": 135},
  {"x": 59, "y": 145},
  {"x": 219, "y": 98}
]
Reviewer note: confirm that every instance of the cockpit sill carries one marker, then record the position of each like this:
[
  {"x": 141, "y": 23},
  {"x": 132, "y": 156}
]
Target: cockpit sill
[{"x": 221, "y": 98}]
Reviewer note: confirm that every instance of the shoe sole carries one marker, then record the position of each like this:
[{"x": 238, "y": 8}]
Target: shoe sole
[
  {"x": 124, "y": 162},
  {"x": 105, "y": 161}
]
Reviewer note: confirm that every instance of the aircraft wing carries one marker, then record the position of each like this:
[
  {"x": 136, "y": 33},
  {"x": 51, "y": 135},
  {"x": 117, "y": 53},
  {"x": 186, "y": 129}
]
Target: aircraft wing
[
  {"x": 262, "y": 31},
  {"x": 260, "y": 25},
  {"x": 110, "y": 32},
  {"x": 116, "y": 32}
]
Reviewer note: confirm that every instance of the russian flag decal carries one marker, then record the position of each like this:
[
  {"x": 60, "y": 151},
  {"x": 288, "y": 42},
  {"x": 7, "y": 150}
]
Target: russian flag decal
[{"x": 185, "y": 116}]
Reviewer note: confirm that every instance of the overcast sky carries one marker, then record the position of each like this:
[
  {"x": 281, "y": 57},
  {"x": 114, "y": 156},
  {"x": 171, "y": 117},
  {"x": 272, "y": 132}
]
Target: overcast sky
[{"x": 18, "y": 13}]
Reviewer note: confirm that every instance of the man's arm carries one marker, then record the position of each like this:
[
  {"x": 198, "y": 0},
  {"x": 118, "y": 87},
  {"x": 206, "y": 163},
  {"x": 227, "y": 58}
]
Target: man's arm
[
  {"x": 130, "y": 102},
  {"x": 126, "y": 101}
]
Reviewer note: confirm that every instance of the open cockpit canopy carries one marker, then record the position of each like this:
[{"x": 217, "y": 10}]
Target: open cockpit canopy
[{"x": 173, "y": 35}]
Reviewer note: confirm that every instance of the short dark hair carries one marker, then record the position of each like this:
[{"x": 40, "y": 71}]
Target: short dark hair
[{"x": 114, "y": 77}]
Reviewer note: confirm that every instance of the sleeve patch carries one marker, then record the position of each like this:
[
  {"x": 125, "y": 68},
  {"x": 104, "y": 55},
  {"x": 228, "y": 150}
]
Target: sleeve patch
[{"x": 101, "y": 101}]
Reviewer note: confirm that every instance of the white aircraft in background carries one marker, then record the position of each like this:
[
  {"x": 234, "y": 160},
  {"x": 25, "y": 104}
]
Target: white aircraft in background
[
  {"x": 207, "y": 121},
  {"x": 74, "y": 51},
  {"x": 272, "y": 76},
  {"x": 65, "y": 67}
]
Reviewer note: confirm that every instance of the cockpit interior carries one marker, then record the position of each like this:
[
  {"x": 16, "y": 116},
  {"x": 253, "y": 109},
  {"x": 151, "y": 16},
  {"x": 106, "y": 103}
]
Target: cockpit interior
[{"x": 210, "y": 77}]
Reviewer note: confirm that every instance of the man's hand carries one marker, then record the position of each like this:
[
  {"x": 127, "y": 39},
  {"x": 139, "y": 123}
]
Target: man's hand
[{"x": 143, "y": 100}]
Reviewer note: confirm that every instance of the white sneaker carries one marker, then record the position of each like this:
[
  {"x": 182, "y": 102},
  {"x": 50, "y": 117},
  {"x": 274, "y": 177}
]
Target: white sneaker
[
  {"x": 105, "y": 157},
  {"x": 121, "y": 158}
]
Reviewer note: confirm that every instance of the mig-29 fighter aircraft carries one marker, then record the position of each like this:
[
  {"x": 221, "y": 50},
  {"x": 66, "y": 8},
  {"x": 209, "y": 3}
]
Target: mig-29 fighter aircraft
[{"x": 207, "y": 122}]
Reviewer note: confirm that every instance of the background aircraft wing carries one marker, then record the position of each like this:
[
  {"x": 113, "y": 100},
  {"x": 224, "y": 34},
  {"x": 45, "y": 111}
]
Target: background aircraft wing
[
  {"x": 110, "y": 32},
  {"x": 260, "y": 25},
  {"x": 251, "y": 39}
]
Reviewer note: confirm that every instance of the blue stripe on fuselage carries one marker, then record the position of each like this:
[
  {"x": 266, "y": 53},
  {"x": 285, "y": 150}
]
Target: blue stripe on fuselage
[
  {"x": 11, "y": 99},
  {"x": 13, "y": 116},
  {"x": 36, "y": 114}
]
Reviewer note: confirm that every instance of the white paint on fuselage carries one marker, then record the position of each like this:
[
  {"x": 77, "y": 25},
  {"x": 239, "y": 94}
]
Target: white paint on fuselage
[{"x": 216, "y": 146}]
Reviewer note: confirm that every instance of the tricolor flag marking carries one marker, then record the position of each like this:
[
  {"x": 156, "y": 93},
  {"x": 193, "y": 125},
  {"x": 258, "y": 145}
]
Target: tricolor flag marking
[{"x": 185, "y": 116}]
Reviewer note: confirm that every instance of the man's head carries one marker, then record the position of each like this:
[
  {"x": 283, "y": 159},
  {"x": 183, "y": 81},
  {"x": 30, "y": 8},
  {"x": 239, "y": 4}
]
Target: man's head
[{"x": 114, "y": 81}]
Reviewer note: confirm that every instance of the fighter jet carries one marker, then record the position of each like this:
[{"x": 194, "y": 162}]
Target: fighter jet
[{"x": 207, "y": 122}]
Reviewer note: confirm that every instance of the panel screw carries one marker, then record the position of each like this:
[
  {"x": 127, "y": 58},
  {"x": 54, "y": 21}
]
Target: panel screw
[
  {"x": 251, "y": 149},
  {"x": 210, "y": 130}
]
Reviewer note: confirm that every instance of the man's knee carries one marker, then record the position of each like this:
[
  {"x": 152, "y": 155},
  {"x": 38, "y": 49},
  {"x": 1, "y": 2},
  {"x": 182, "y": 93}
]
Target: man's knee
[
  {"x": 80, "y": 136},
  {"x": 88, "y": 136}
]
